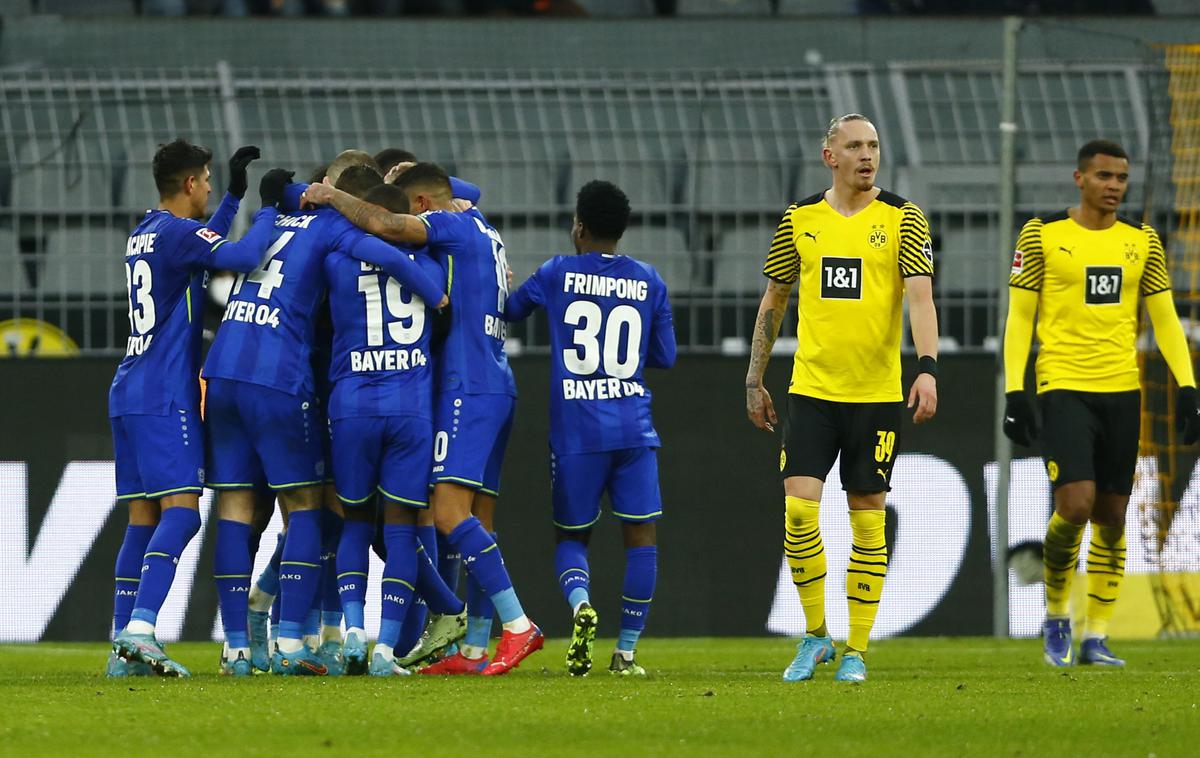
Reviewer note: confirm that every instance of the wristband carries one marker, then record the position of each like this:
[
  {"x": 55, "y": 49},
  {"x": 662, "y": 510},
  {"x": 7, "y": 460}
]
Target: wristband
[{"x": 927, "y": 365}]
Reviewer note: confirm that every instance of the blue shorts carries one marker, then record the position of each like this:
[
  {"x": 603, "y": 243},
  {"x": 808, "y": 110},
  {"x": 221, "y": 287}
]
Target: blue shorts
[
  {"x": 158, "y": 456},
  {"x": 471, "y": 437},
  {"x": 388, "y": 454},
  {"x": 322, "y": 422},
  {"x": 630, "y": 476},
  {"x": 259, "y": 435}
]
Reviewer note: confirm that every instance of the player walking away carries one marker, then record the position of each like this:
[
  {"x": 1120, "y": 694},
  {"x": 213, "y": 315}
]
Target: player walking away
[
  {"x": 856, "y": 250},
  {"x": 475, "y": 395},
  {"x": 610, "y": 319},
  {"x": 154, "y": 402},
  {"x": 1084, "y": 270},
  {"x": 262, "y": 421}
]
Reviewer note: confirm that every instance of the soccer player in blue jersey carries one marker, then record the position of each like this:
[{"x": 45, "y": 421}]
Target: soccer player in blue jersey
[
  {"x": 475, "y": 396},
  {"x": 609, "y": 320},
  {"x": 154, "y": 402},
  {"x": 381, "y": 421},
  {"x": 262, "y": 420}
]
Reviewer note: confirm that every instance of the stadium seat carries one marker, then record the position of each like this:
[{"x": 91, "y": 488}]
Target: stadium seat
[
  {"x": 731, "y": 174},
  {"x": 84, "y": 261},
  {"x": 739, "y": 256},
  {"x": 514, "y": 174},
  {"x": 723, "y": 8},
  {"x": 648, "y": 176},
  {"x": 530, "y": 247},
  {"x": 57, "y": 175},
  {"x": 135, "y": 188},
  {"x": 663, "y": 247},
  {"x": 87, "y": 7},
  {"x": 12, "y": 273}
]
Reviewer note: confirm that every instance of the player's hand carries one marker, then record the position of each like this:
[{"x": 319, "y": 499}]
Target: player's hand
[
  {"x": 1187, "y": 415},
  {"x": 923, "y": 397},
  {"x": 461, "y": 205},
  {"x": 1020, "y": 425},
  {"x": 759, "y": 408},
  {"x": 509, "y": 274},
  {"x": 237, "y": 170},
  {"x": 270, "y": 189},
  {"x": 317, "y": 194},
  {"x": 395, "y": 171}
]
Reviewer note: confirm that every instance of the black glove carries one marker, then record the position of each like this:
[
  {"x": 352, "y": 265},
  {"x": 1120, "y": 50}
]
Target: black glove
[
  {"x": 439, "y": 324},
  {"x": 237, "y": 170},
  {"x": 270, "y": 189},
  {"x": 1020, "y": 425},
  {"x": 1187, "y": 415}
]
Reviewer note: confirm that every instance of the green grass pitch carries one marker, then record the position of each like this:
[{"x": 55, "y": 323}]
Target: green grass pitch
[{"x": 961, "y": 697}]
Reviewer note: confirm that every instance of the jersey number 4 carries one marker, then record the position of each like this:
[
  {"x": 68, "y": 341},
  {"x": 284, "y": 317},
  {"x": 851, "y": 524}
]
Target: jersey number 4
[
  {"x": 269, "y": 273},
  {"x": 585, "y": 356}
]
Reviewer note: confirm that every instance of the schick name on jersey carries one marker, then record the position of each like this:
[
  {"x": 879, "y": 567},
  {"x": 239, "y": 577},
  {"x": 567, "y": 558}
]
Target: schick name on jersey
[
  {"x": 387, "y": 360},
  {"x": 604, "y": 286},
  {"x": 139, "y": 244},
  {"x": 295, "y": 222},
  {"x": 600, "y": 389}
]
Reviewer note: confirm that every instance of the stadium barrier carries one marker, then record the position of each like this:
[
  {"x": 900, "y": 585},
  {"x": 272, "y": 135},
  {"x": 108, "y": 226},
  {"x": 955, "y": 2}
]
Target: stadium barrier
[{"x": 721, "y": 565}]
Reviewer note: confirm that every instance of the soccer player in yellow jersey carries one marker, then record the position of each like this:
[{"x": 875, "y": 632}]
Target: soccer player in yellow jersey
[
  {"x": 1084, "y": 269},
  {"x": 855, "y": 250}
]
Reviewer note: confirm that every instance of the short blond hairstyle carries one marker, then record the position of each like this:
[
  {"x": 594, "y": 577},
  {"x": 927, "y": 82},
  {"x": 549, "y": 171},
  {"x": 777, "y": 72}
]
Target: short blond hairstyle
[{"x": 348, "y": 158}]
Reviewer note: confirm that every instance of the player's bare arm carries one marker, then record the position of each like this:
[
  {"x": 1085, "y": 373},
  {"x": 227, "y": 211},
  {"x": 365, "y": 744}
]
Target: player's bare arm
[
  {"x": 396, "y": 227},
  {"x": 923, "y": 318},
  {"x": 759, "y": 408}
]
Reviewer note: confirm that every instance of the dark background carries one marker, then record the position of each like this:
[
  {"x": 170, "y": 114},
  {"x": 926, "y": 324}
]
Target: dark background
[{"x": 720, "y": 538}]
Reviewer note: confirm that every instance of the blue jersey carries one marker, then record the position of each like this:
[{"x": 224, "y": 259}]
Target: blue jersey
[
  {"x": 473, "y": 358},
  {"x": 381, "y": 363},
  {"x": 609, "y": 319},
  {"x": 166, "y": 264},
  {"x": 267, "y": 332}
]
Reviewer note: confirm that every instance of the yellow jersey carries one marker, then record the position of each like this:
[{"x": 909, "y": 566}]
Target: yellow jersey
[
  {"x": 851, "y": 273},
  {"x": 1088, "y": 282}
]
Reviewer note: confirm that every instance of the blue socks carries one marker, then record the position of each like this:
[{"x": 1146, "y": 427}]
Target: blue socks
[
  {"x": 482, "y": 556},
  {"x": 231, "y": 569},
  {"x": 480, "y": 612},
  {"x": 175, "y": 530},
  {"x": 299, "y": 572},
  {"x": 331, "y": 535},
  {"x": 414, "y": 620},
  {"x": 352, "y": 562},
  {"x": 268, "y": 580},
  {"x": 399, "y": 574},
  {"x": 641, "y": 574},
  {"x": 439, "y": 597},
  {"x": 571, "y": 567},
  {"x": 448, "y": 561},
  {"x": 128, "y": 573}
]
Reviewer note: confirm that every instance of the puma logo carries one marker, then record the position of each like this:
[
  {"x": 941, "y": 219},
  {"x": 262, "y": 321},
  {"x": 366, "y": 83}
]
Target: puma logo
[
  {"x": 813, "y": 235},
  {"x": 1069, "y": 251},
  {"x": 881, "y": 473}
]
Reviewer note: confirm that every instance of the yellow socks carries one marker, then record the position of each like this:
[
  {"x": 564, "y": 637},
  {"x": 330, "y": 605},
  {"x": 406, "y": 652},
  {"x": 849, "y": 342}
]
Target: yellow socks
[
  {"x": 864, "y": 575},
  {"x": 1060, "y": 556},
  {"x": 806, "y": 557},
  {"x": 1105, "y": 571}
]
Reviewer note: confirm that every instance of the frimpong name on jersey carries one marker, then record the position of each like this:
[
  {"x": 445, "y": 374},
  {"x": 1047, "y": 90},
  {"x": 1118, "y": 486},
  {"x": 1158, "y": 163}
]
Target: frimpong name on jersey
[{"x": 622, "y": 332}]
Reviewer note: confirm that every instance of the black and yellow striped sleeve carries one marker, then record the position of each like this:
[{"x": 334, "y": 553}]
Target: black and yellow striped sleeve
[
  {"x": 916, "y": 246},
  {"x": 1155, "y": 277},
  {"x": 1029, "y": 262},
  {"x": 783, "y": 262}
]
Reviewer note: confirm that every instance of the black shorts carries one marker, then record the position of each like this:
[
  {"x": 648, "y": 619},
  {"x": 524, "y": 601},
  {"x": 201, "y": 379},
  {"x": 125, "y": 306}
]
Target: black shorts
[
  {"x": 1091, "y": 437},
  {"x": 865, "y": 434}
]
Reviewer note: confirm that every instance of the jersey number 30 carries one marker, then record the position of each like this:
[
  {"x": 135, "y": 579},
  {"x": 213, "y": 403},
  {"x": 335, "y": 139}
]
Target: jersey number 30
[{"x": 585, "y": 356}]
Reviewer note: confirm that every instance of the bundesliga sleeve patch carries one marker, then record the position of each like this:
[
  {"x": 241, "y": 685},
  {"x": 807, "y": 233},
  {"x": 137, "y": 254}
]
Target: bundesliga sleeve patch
[
  {"x": 208, "y": 235},
  {"x": 1018, "y": 262}
]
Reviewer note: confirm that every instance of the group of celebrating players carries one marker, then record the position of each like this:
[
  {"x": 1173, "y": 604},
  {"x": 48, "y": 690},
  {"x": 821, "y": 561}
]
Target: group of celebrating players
[
  {"x": 383, "y": 425},
  {"x": 358, "y": 378}
]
